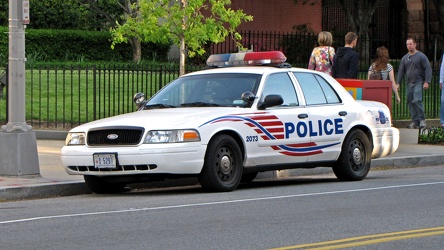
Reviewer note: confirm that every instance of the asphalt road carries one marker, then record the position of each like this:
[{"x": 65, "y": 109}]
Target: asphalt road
[{"x": 383, "y": 210}]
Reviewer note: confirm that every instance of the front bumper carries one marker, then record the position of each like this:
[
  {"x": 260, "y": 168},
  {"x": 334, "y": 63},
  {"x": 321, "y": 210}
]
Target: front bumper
[
  {"x": 385, "y": 141},
  {"x": 168, "y": 158}
]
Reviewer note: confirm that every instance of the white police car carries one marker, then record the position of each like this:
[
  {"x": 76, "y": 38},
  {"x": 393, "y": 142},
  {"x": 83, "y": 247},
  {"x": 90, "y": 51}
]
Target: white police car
[{"x": 227, "y": 124}]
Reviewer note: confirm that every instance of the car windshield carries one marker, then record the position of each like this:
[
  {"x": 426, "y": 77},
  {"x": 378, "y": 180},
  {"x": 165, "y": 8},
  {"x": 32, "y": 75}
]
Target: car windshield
[{"x": 208, "y": 90}]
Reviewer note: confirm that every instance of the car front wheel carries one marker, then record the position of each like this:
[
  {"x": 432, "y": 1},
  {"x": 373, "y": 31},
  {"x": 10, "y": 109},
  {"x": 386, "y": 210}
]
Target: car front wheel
[
  {"x": 354, "y": 161},
  {"x": 222, "y": 170}
]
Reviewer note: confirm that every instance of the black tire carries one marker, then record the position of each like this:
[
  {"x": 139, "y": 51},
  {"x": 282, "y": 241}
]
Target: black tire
[
  {"x": 247, "y": 178},
  {"x": 222, "y": 170},
  {"x": 354, "y": 162},
  {"x": 99, "y": 185}
]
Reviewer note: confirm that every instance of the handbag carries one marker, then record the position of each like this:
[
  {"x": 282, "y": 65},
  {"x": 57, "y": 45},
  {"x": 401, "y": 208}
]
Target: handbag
[{"x": 375, "y": 75}]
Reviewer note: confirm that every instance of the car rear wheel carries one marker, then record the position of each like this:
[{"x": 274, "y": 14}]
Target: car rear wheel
[
  {"x": 354, "y": 162},
  {"x": 100, "y": 185},
  {"x": 222, "y": 170}
]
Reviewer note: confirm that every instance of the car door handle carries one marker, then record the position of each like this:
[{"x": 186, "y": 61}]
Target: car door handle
[
  {"x": 302, "y": 116},
  {"x": 342, "y": 113}
]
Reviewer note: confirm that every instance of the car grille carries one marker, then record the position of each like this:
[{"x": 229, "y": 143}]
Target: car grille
[
  {"x": 115, "y": 136},
  {"x": 120, "y": 168}
]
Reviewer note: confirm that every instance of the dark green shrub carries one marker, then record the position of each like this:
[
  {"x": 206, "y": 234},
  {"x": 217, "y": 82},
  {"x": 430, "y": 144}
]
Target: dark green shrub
[
  {"x": 77, "y": 45},
  {"x": 433, "y": 135}
]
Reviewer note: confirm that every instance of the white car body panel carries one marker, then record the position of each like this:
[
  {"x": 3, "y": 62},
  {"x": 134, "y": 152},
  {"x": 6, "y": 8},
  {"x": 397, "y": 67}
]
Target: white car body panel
[{"x": 271, "y": 137}]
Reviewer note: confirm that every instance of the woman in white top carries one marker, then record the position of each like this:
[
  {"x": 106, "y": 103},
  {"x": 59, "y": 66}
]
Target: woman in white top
[{"x": 381, "y": 65}]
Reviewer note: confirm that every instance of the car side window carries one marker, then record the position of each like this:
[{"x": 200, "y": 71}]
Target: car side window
[
  {"x": 281, "y": 84},
  {"x": 316, "y": 89}
]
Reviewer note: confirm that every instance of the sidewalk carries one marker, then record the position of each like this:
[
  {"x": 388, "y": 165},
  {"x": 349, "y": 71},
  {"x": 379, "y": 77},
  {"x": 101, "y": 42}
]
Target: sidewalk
[{"x": 54, "y": 181}]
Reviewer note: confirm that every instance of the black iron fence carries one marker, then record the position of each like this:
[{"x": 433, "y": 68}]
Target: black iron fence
[
  {"x": 64, "y": 97},
  {"x": 298, "y": 46}
]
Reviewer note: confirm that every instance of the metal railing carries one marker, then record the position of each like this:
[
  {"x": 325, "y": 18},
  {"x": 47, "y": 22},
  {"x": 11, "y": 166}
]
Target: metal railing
[
  {"x": 63, "y": 97},
  {"x": 66, "y": 97}
]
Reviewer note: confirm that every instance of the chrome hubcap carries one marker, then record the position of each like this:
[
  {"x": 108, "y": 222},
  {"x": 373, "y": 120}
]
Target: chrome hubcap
[
  {"x": 357, "y": 156},
  {"x": 225, "y": 164}
]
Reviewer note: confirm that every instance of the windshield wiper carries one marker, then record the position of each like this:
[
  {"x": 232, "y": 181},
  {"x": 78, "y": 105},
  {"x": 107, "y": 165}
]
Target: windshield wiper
[
  {"x": 199, "y": 104},
  {"x": 158, "y": 106}
]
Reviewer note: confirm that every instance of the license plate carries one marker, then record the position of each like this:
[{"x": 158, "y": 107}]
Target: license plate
[{"x": 105, "y": 161}]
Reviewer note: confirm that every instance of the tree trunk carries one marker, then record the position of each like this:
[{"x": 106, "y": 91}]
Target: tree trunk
[
  {"x": 137, "y": 49},
  {"x": 359, "y": 21},
  {"x": 182, "y": 51},
  {"x": 182, "y": 56}
]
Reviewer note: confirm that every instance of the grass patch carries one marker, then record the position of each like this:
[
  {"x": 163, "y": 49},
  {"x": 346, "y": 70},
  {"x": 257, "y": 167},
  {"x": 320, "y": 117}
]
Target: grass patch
[{"x": 78, "y": 95}]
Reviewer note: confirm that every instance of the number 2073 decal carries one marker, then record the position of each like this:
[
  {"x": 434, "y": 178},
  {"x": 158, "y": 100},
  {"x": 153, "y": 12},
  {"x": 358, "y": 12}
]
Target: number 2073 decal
[{"x": 253, "y": 138}]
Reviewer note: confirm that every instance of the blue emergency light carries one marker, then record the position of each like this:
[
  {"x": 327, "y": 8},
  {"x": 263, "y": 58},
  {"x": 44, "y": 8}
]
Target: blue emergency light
[{"x": 246, "y": 59}]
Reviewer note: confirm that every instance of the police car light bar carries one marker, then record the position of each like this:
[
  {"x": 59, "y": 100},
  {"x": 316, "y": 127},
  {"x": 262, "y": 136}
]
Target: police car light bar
[{"x": 246, "y": 59}]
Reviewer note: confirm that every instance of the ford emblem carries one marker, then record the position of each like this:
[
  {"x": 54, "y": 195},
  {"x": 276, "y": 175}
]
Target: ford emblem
[{"x": 112, "y": 136}]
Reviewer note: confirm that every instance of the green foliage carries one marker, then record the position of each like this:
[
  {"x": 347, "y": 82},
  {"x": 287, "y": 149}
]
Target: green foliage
[
  {"x": 434, "y": 135},
  {"x": 182, "y": 22},
  {"x": 102, "y": 14},
  {"x": 4, "y": 47},
  {"x": 75, "y": 45},
  {"x": 68, "y": 14},
  {"x": 72, "y": 14},
  {"x": 4, "y": 12}
]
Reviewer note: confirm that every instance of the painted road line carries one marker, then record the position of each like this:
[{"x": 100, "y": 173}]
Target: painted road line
[{"x": 368, "y": 239}]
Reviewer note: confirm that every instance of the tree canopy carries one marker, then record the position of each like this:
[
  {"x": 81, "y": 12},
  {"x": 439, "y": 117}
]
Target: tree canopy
[
  {"x": 68, "y": 14},
  {"x": 188, "y": 23}
]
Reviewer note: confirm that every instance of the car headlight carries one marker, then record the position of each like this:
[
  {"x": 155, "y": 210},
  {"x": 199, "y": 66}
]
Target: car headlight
[
  {"x": 75, "y": 139},
  {"x": 164, "y": 136}
]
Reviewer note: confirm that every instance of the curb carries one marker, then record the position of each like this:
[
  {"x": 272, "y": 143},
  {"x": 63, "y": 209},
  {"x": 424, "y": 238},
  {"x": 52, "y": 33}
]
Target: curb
[
  {"x": 50, "y": 134},
  {"x": 42, "y": 191},
  {"x": 53, "y": 189},
  {"x": 405, "y": 162}
]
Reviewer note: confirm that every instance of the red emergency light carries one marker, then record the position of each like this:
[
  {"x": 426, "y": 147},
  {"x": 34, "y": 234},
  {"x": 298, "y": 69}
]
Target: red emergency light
[{"x": 246, "y": 59}]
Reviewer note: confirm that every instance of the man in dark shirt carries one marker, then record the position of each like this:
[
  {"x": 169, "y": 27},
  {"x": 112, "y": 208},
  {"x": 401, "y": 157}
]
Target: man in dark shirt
[
  {"x": 415, "y": 68},
  {"x": 346, "y": 60}
]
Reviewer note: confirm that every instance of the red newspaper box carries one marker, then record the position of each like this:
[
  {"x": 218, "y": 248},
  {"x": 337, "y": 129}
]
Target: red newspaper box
[{"x": 373, "y": 90}]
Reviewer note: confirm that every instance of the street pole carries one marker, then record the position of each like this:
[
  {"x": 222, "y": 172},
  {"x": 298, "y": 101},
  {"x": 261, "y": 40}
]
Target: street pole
[{"x": 18, "y": 145}]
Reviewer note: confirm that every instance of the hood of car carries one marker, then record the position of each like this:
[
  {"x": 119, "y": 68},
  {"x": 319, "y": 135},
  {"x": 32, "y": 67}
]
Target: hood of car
[
  {"x": 379, "y": 113},
  {"x": 170, "y": 118}
]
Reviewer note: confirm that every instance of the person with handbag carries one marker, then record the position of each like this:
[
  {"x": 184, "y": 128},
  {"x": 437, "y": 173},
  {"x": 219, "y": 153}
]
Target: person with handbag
[
  {"x": 381, "y": 69},
  {"x": 322, "y": 56}
]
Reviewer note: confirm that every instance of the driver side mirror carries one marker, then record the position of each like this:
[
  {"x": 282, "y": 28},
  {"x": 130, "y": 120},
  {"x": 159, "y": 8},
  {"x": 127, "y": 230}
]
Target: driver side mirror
[{"x": 270, "y": 101}]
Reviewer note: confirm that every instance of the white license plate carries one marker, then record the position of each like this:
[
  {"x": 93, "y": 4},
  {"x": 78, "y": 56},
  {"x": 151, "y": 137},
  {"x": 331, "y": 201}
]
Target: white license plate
[{"x": 105, "y": 161}]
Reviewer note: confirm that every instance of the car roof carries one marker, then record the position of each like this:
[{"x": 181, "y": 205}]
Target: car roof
[{"x": 248, "y": 69}]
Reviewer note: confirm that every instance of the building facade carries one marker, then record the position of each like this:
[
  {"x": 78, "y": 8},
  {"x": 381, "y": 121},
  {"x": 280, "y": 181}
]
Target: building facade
[{"x": 392, "y": 22}]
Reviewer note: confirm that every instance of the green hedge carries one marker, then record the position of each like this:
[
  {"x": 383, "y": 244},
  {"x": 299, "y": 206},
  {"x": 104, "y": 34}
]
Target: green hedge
[{"x": 77, "y": 45}]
